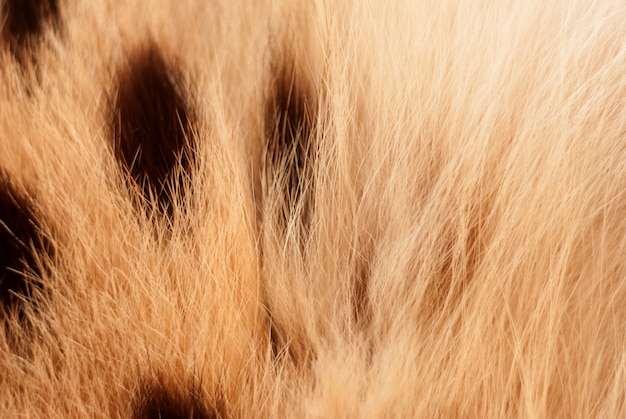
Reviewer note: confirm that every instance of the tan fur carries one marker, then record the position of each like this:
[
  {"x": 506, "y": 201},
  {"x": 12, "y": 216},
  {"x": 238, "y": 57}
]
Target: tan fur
[{"x": 464, "y": 254}]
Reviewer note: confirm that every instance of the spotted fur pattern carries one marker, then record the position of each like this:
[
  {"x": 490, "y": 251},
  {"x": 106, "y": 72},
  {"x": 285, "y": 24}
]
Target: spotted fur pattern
[{"x": 221, "y": 209}]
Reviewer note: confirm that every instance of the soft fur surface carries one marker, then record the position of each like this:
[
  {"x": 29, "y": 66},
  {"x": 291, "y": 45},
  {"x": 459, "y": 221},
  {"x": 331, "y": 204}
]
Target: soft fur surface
[{"x": 313, "y": 209}]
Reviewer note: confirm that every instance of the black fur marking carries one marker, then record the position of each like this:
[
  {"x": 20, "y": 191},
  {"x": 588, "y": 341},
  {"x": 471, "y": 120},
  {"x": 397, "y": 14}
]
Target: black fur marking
[
  {"x": 152, "y": 124},
  {"x": 156, "y": 399},
  {"x": 290, "y": 113},
  {"x": 24, "y": 21},
  {"x": 20, "y": 235}
]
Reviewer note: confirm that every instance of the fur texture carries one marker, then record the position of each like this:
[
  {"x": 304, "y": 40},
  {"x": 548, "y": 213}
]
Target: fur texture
[{"x": 313, "y": 209}]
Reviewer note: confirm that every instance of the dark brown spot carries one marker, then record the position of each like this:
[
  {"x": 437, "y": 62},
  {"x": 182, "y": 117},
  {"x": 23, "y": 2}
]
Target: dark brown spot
[
  {"x": 152, "y": 125},
  {"x": 24, "y": 22},
  {"x": 290, "y": 116},
  {"x": 21, "y": 240},
  {"x": 361, "y": 309},
  {"x": 160, "y": 398}
]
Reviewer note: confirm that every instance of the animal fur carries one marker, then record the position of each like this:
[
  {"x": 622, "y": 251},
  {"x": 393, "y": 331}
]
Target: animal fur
[{"x": 313, "y": 209}]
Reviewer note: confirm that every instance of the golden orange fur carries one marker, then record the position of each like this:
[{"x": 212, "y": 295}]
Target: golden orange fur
[{"x": 390, "y": 209}]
